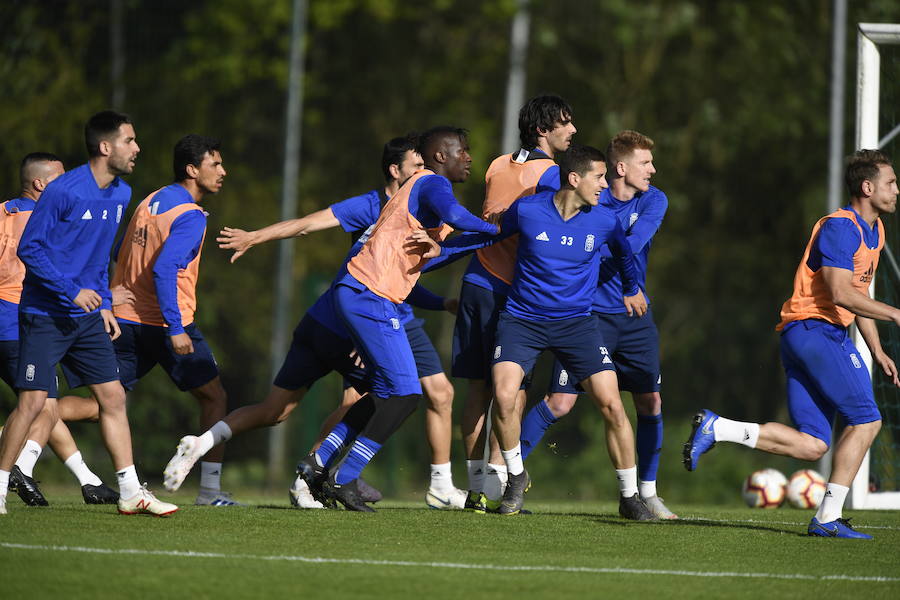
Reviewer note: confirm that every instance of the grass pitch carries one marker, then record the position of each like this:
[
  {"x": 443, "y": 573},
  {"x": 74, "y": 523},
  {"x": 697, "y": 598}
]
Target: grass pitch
[{"x": 564, "y": 550}]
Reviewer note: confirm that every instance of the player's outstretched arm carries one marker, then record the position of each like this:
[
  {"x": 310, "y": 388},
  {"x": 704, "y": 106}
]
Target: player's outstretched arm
[
  {"x": 839, "y": 282},
  {"x": 869, "y": 333},
  {"x": 240, "y": 240}
]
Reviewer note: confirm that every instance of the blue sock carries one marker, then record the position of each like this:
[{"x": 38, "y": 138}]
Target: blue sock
[
  {"x": 534, "y": 425},
  {"x": 334, "y": 443},
  {"x": 649, "y": 445},
  {"x": 361, "y": 452}
]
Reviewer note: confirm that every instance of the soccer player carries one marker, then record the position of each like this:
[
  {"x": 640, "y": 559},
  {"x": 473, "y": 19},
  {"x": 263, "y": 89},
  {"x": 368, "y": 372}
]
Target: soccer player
[
  {"x": 825, "y": 375},
  {"x": 632, "y": 341},
  {"x": 545, "y": 128},
  {"x": 65, "y": 310},
  {"x": 37, "y": 170},
  {"x": 548, "y": 308},
  {"x": 159, "y": 262},
  {"x": 378, "y": 279},
  {"x": 356, "y": 215}
]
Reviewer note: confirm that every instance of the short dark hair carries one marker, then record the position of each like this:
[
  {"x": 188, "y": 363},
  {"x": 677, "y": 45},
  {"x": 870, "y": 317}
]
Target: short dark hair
[
  {"x": 863, "y": 165},
  {"x": 395, "y": 150},
  {"x": 541, "y": 112},
  {"x": 625, "y": 143},
  {"x": 190, "y": 150},
  {"x": 101, "y": 127},
  {"x": 32, "y": 158},
  {"x": 429, "y": 141},
  {"x": 577, "y": 159}
]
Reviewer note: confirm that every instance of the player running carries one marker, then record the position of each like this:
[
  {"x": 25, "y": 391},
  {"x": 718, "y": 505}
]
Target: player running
[
  {"x": 632, "y": 341},
  {"x": 825, "y": 374},
  {"x": 65, "y": 311}
]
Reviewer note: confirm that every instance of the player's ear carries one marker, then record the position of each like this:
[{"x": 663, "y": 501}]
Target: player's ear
[
  {"x": 394, "y": 170},
  {"x": 620, "y": 169},
  {"x": 573, "y": 179},
  {"x": 440, "y": 157},
  {"x": 191, "y": 171},
  {"x": 105, "y": 147},
  {"x": 38, "y": 184},
  {"x": 868, "y": 188}
]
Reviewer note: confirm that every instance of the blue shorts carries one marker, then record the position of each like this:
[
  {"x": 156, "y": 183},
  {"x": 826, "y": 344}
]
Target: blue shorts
[
  {"x": 315, "y": 352},
  {"x": 633, "y": 344},
  {"x": 80, "y": 344},
  {"x": 576, "y": 343},
  {"x": 427, "y": 360},
  {"x": 825, "y": 375},
  {"x": 475, "y": 330},
  {"x": 374, "y": 324},
  {"x": 142, "y": 347}
]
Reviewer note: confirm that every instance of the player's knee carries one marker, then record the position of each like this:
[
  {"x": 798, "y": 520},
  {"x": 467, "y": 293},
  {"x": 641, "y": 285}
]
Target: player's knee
[
  {"x": 560, "y": 404},
  {"x": 812, "y": 448},
  {"x": 440, "y": 397},
  {"x": 111, "y": 399}
]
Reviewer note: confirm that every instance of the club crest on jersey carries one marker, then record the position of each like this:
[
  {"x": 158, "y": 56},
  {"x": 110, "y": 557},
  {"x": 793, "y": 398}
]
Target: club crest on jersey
[
  {"x": 563, "y": 377},
  {"x": 119, "y": 213},
  {"x": 395, "y": 322},
  {"x": 632, "y": 219},
  {"x": 855, "y": 360},
  {"x": 589, "y": 242}
]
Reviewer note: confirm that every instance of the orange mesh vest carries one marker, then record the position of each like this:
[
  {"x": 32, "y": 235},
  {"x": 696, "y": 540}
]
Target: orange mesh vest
[
  {"x": 12, "y": 270},
  {"x": 143, "y": 242},
  {"x": 811, "y": 298},
  {"x": 507, "y": 181},
  {"x": 382, "y": 264}
]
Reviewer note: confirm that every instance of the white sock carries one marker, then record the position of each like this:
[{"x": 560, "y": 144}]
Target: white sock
[
  {"x": 129, "y": 485},
  {"x": 211, "y": 475},
  {"x": 441, "y": 477},
  {"x": 738, "y": 432},
  {"x": 513, "y": 460},
  {"x": 28, "y": 457},
  {"x": 628, "y": 486},
  {"x": 475, "y": 469},
  {"x": 494, "y": 481},
  {"x": 221, "y": 432},
  {"x": 833, "y": 504},
  {"x": 79, "y": 469},
  {"x": 4, "y": 483},
  {"x": 647, "y": 488}
]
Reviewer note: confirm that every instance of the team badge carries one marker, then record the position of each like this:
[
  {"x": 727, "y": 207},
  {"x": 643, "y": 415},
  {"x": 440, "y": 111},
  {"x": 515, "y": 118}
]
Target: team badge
[
  {"x": 589, "y": 242},
  {"x": 632, "y": 219},
  {"x": 855, "y": 360},
  {"x": 29, "y": 373},
  {"x": 118, "y": 213},
  {"x": 563, "y": 377},
  {"x": 395, "y": 323},
  {"x": 497, "y": 352}
]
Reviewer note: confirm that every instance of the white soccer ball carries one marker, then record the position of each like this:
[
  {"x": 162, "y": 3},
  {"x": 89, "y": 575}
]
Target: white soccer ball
[
  {"x": 806, "y": 489},
  {"x": 764, "y": 489}
]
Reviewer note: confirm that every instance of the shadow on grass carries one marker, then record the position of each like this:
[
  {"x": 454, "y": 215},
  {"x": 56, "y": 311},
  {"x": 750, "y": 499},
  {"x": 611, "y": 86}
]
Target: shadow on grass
[{"x": 694, "y": 523}]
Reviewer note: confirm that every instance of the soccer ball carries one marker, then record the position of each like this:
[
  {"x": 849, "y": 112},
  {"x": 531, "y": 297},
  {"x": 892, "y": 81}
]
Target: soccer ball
[
  {"x": 764, "y": 489},
  {"x": 806, "y": 489}
]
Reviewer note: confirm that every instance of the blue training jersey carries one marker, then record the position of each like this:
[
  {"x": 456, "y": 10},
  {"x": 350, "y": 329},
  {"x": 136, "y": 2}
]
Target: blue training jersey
[
  {"x": 837, "y": 242},
  {"x": 640, "y": 217},
  {"x": 66, "y": 244},
  {"x": 178, "y": 250}
]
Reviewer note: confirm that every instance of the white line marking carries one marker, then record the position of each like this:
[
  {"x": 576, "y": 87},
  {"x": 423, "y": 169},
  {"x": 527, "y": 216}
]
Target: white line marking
[
  {"x": 443, "y": 565},
  {"x": 764, "y": 522}
]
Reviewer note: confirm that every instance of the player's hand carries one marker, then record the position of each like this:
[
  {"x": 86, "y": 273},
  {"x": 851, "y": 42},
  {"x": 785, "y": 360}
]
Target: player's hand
[
  {"x": 181, "y": 343},
  {"x": 357, "y": 359},
  {"x": 636, "y": 305},
  {"x": 887, "y": 365},
  {"x": 495, "y": 218},
  {"x": 419, "y": 242},
  {"x": 121, "y": 295},
  {"x": 88, "y": 300},
  {"x": 235, "y": 239},
  {"x": 110, "y": 324},
  {"x": 451, "y": 305}
]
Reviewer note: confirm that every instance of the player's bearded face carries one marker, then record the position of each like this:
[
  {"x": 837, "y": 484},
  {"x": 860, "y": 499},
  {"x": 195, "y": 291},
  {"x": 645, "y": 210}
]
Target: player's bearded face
[
  {"x": 123, "y": 150},
  {"x": 884, "y": 197},
  {"x": 412, "y": 162},
  {"x": 560, "y": 137},
  {"x": 211, "y": 173}
]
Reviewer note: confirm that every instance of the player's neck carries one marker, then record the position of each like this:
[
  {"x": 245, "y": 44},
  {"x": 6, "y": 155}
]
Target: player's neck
[
  {"x": 544, "y": 147},
  {"x": 100, "y": 170},
  {"x": 193, "y": 189},
  {"x": 865, "y": 210},
  {"x": 620, "y": 190},
  {"x": 30, "y": 194},
  {"x": 391, "y": 188},
  {"x": 568, "y": 203}
]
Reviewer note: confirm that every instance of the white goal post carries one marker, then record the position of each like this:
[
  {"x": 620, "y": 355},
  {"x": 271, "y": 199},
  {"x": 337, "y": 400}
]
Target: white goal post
[{"x": 868, "y": 83}]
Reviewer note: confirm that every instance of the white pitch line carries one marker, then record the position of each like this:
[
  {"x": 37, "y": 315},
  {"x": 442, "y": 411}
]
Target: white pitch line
[
  {"x": 764, "y": 522},
  {"x": 443, "y": 565}
]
